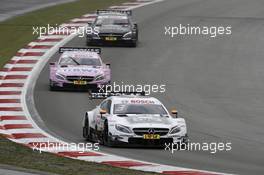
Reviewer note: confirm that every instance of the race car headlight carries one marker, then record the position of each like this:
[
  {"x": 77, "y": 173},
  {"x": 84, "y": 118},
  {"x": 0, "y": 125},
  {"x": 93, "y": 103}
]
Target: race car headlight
[
  {"x": 99, "y": 77},
  {"x": 123, "y": 129},
  {"x": 127, "y": 35},
  {"x": 60, "y": 76},
  {"x": 175, "y": 130},
  {"x": 95, "y": 36}
]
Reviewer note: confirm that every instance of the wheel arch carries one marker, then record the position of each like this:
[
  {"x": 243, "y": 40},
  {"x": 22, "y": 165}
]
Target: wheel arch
[{"x": 88, "y": 115}]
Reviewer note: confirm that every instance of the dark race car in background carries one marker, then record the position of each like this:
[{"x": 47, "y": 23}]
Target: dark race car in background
[{"x": 113, "y": 27}]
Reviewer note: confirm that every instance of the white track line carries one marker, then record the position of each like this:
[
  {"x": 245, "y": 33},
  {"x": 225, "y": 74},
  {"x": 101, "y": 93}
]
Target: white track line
[
  {"x": 32, "y": 50},
  {"x": 48, "y": 43},
  {"x": 10, "y": 96},
  {"x": 19, "y": 65},
  {"x": 16, "y": 58},
  {"x": 8, "y": 122}
]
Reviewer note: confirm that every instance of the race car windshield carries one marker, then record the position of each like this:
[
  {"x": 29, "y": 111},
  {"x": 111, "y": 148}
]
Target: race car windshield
[
  {"x": 111, "y": 21},
  {"x": 79, "y": 61},
  {"x": 139, "y": 109}
]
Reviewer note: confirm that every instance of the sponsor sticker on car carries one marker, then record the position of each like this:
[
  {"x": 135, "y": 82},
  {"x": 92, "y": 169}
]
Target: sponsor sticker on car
[
  {"x": 79, "y": 82},
  {"x": 85, "y": 49},
  {"x": 151, "y": 136},
  {"x": 110, "y": 38}
]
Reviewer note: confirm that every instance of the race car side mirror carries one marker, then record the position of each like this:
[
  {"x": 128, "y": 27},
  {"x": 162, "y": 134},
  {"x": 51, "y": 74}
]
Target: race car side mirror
[
  {"x": 90, "y": 23},
  {"x": 108, "y": 64},
  {"x": 175, "y": 112},
  {"x": 102, "y": 111},
  {"x": 135, "y": 26}
]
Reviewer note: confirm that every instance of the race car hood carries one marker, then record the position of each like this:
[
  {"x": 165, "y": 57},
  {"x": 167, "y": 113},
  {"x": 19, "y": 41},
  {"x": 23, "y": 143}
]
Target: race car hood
[
  {"x": 80, "y": 71},
  {"x": 115, "y": 29},
  {"x": 136, "y": 120}
]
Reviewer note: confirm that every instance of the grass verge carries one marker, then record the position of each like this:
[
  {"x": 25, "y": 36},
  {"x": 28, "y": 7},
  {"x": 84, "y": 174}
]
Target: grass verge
[
  {"x": 21, "y": 156},
  {"x": 17, "y": 32}
]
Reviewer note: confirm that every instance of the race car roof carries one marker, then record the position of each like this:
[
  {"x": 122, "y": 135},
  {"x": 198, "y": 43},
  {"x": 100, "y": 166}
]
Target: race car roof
[
  {"x": 81, "y": 54},
  {"x": 131, "y": 99},
  {"x": 117, "y": 16},
  {"x": 114, "y": 11}
]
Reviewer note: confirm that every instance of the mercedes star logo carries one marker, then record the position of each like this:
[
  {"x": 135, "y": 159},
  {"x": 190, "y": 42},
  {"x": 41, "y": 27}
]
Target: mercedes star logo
[{"x": 151, "y": 131}]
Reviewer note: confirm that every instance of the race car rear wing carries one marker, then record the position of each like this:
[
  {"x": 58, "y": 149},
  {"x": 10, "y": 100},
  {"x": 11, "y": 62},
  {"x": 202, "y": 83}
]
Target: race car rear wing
[
  {"x": 103, "y": 95},
  {"x": 64, "y": 49},
  {"x": 128, "y": 12}
]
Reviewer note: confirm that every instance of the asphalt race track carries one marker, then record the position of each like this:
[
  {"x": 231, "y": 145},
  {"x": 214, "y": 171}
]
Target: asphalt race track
[
  {"x": 217, "y": 84},
  {"x": 10, "y": 8}
]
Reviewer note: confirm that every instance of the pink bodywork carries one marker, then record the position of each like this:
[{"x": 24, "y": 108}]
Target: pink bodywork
[{"x": 79, "y": 70}]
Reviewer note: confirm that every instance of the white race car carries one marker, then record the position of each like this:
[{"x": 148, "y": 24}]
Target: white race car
[{"x": 134, "y": 120}]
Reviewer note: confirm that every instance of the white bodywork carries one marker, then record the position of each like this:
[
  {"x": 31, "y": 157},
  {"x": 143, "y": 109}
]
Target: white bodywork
[{"x": 162, "y": 124}]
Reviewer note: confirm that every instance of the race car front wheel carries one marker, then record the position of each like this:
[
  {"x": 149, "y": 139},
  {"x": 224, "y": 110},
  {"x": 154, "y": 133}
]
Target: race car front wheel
[
  {"x": 133, "y": 44},
  {"x": 52, "y": 86},
  {"x": 86, "y": 129},
  {"x": 106, "y": 138},
  {"x": 89, "y": 42}
]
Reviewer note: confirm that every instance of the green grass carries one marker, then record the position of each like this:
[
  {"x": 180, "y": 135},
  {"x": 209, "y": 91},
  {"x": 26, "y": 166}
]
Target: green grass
[
  {"x": 21, "y": 156},
  {"x": 17, "y": 32}
]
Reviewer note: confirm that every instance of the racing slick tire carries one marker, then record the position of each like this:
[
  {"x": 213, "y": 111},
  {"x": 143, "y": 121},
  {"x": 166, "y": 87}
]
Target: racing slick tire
[
  {"x": 133, "y": 44},
  {"x": 106, "y": 138},
  {"x": 89, "y": 42},
  {"x": 86, "y": 129},
  {"x": 52, "y": 87},
  {"x": 182, "y": 145},
  {"x": 185, "y": 141}
]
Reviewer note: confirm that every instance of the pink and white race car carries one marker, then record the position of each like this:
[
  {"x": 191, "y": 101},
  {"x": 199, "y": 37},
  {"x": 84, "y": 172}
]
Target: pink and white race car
[{"x": 79, "y": 68}]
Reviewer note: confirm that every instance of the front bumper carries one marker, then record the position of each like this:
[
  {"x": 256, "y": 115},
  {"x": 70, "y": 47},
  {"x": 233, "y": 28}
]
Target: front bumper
[
  {"x": 80, "y": 87},
  {"x": 72, "y": 86},
  {"x": 157, "y": 142},
  {"x": 138, "y": 140},
  {"x": 118, "y": 41}
]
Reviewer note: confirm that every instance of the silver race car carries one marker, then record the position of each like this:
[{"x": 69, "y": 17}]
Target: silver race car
[{"x": 133, "y": 119}]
